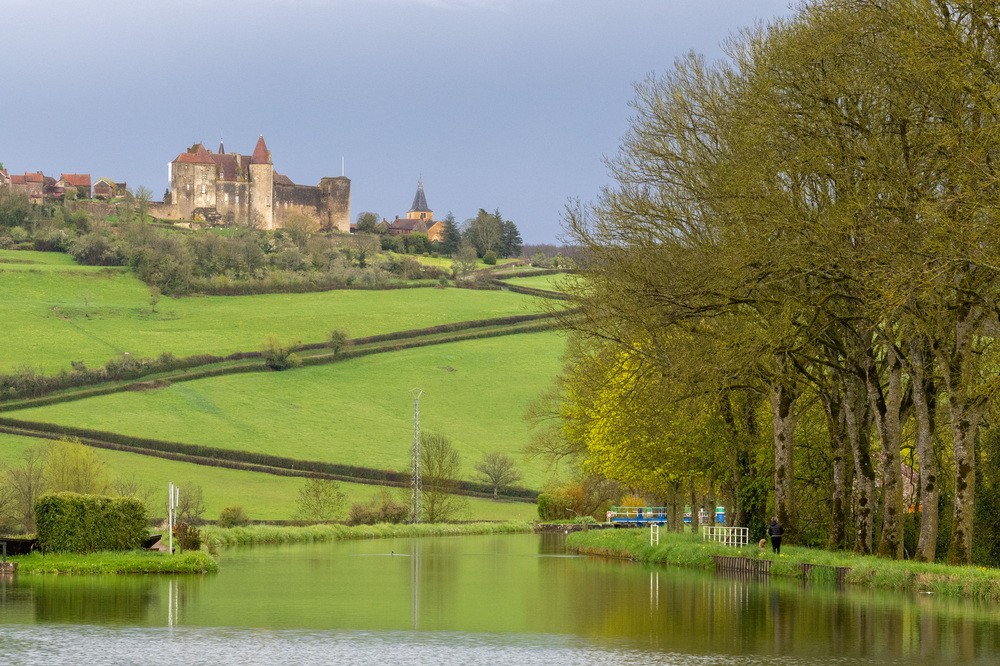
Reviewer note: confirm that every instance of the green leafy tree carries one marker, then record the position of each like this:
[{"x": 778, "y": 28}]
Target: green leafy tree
[
  {"x": 320, "y": 500},
  {"x": 440, "y": 464},
  {"x": 452, "y": 236},
  {"x": 367, "y": 222},
  {"x": 511, "y": 240}
]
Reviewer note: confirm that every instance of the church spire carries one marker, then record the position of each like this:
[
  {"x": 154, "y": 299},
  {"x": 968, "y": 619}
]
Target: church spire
[{"x": 419, "y": 200}]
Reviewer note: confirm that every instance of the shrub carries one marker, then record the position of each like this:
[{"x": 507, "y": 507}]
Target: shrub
[
  {"x": 87, "y": 523},
  {"x": 188, "y": 537},
  {"x": 381, "y": 508},
  {"x": 233, "y": 516},
  {"x": 278, "y": 356},
  {"x": 490, "y": 258}
]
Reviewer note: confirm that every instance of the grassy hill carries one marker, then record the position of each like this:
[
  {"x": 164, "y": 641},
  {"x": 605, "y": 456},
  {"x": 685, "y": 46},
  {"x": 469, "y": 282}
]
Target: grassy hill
[
  {"x": 63, "y": 312},
  {"x": 264, "y": 496},
  {"x": 356, "y": 411}
]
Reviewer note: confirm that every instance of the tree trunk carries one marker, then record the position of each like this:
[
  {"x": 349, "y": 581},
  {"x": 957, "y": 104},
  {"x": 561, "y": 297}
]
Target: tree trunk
[
  {"x": 694, "y": 507},
  {"x": 964, "y": 413},
  {"x": 836, "y": 425},
  {"x": 782, "y": 399},
  {"x": 887, "y": 406},
  {"x": 930, "y": 492},
  {"x": 858, "y": 422}
]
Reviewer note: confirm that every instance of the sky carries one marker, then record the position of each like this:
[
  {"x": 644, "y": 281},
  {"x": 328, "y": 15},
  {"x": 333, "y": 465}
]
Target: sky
[{"x": 508, "y": 105}]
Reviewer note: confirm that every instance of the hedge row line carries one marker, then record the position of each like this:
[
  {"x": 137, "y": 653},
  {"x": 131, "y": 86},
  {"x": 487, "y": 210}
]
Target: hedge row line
[
  {"x": 532, "y": 291},
  {"x": 531, "y": 273},
  {"x": 34, "y": 385},
  {"x": 247, "y": 460},
  {"x": 68, "y": 522},
  {"x": 259, "y": 287}
]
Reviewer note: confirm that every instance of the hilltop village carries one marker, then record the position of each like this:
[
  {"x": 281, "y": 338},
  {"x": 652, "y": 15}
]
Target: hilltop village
[{"x": 231, "y": 188}]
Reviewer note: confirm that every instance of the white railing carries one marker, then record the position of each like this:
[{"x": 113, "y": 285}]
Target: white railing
[
  {"x": 654, "y": 534},
  {"x": 728, "y": 536}
]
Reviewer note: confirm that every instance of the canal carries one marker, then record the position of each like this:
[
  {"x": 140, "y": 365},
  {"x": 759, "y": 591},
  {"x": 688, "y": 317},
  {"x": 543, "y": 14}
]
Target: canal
[{"x": 508, "y": 599}]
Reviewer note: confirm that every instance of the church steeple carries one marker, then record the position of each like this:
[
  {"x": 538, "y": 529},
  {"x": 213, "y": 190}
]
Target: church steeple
[{"x": 419, "y": 210}]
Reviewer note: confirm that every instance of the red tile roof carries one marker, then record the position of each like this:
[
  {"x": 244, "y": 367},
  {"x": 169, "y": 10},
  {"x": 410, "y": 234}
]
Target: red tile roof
[
  {"x": 230, "y": 166},
  {"x": 17, "y": 180},
  {"x": 196, "y": 154},
  {"x": 76, "y": 179},
  {"x": 34, "y": 177},
  {"x": 281, "y": 179},
  {"x": 261, "y": 155}
]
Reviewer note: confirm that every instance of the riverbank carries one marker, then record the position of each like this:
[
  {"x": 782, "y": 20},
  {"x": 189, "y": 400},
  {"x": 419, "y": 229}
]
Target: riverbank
[
  {"x": 132, "y": 562},
  {"x": 221, "y": 537},
  {"x": 689, "y": 550}
]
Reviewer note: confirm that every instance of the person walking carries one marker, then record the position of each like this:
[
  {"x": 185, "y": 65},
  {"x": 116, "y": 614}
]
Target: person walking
[{"x": 775, "y": 531}]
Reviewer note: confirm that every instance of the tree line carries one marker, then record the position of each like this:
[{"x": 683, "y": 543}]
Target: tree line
[{"x": 792, "y": 287}]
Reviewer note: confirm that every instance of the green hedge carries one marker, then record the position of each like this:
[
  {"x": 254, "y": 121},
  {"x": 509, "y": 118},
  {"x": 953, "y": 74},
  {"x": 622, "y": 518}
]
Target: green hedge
[{"x": 69, "y": 522}]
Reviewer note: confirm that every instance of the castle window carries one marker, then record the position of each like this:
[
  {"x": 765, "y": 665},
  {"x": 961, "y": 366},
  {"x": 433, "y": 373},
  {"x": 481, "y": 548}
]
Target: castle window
[
  {"x": 267, "y": 201},
  {"x": 227, "y": 197},
  {"x": 202, "y": 189},
  {"x": 237, "y": 200}
]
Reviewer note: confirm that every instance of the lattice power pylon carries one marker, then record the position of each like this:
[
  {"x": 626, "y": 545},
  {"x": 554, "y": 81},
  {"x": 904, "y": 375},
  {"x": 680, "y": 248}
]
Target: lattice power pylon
[{"x": 415, "y": 485}]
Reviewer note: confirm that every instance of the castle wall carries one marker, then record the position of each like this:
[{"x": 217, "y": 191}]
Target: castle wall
[
  {"x": 192, "y": 186},
  {"x": 232, "y": 200},
  {"x": 302, "y": 199}
]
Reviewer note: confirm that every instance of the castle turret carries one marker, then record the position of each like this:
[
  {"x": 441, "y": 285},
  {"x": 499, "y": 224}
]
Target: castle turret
[{"x": 261, "y": 186}]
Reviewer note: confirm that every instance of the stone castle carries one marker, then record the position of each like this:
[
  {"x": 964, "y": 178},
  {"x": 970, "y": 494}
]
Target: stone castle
[{"x": 245, "y": 189}]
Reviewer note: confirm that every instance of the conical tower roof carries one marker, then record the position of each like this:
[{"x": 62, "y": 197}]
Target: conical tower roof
[
  {"x": 261, "y": 155},
  {"x": 419, "y": 200}
]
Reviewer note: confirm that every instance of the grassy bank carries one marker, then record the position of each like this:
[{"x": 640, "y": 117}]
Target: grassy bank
[
  {"x": 865, "y": 571},
  {"x": 216, "y": 537},
  {"x": 134, "y": 562}
]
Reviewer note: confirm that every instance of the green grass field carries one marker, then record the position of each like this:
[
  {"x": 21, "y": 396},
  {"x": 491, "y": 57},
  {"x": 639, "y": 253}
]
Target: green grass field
[
  {"x": 63, "y": 312},
  {"x": 556, "y": 282},
  {"x": 358, "y": 411},
  {"x": 264, "y": 496}
]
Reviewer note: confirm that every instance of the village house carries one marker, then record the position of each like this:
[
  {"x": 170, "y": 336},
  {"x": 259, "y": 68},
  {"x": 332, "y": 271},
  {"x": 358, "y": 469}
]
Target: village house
[
  {"x": 70, "y": 181},
  {"x": 106, "y": 188}
]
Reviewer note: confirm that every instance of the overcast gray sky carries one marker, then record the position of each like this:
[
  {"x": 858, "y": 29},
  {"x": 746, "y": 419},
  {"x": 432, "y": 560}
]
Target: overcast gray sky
[{"x": 508, "y": 104}]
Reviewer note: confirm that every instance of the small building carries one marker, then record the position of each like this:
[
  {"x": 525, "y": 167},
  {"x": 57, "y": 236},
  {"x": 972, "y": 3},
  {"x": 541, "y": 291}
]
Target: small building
[
  {"x": 4, "y": 179},
  {"x": 79, "y": 181},
  {"x": 30, "y": 184},
  {"x": 105, "y": 188}
]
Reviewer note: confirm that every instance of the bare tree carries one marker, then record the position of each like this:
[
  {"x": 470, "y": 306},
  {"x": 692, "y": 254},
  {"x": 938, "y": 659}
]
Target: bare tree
[
  {"x": 498, "y": 470},
  {"x": 26, "y": 483}
]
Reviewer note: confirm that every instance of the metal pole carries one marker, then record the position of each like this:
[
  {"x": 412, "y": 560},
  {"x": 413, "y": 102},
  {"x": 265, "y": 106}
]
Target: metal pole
[{"x": 416, "y": 487}]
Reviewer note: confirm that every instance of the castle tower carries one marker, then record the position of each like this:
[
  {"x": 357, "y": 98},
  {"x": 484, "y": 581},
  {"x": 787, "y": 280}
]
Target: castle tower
[
  {"x": 419, "y": 210},
  {"x": 261, "y": 186},
  {"x": 335, "y": 203}
]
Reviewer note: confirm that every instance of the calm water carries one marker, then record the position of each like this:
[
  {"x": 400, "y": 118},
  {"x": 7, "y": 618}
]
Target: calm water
[{"x": 473, "y": 600}]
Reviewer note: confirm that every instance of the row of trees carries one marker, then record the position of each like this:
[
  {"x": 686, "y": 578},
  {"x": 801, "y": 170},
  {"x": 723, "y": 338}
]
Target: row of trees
[
  {"x": 793, "y": 285},
  {"x": 486, "y": 232}
]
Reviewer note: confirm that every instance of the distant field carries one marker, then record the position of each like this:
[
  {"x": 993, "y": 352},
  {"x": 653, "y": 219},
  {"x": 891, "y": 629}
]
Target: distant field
[
  {"x": 264, "y": 496},
  {"x": 444, "y": 262},
  {"x": 549, "y": 282},
  {"x": 356, "y": 412},
  {"x": 60, "y": 312}
]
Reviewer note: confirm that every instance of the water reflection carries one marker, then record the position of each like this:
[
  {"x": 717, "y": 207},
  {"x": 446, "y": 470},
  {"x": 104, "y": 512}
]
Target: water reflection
[{"x": 516, "y": 587}]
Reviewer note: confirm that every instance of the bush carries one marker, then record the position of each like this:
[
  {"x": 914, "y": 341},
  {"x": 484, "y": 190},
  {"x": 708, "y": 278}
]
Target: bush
[
  {"x": 381, "y": 508},
  {"x": 278, "y": 356},
  {"x": 88, "y": 523},
  {"x": 233, "y": 516},
  {"x": 490, "y": 258},
  {"x": 187, "y": 536}
]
